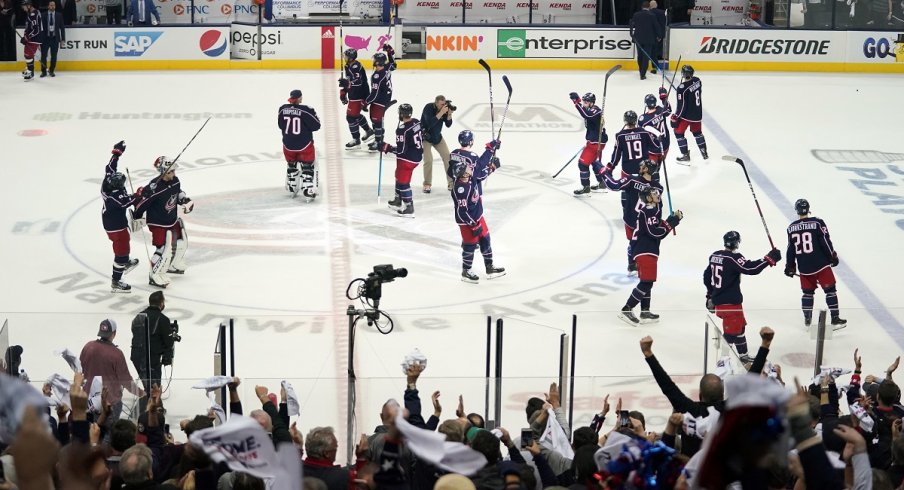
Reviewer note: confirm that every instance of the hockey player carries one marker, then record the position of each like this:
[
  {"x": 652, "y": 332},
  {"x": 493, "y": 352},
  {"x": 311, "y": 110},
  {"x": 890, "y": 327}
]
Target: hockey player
[
  {"x": 593, "y": 149},
  {"x": 722, "y": 278},
  {"x": 810, "y": 252},
  {"x": 469, "y": 171},
  {"x": 160, "y": 199},
  {"x": 409, "y": 153},
  {"x": 650, "y": 230},
  {"x": 116, "y": 202},
  {"x": 689, "y": 113},
  {"x": 353, "y": 90},
  {"x": 630, "y": 187},
  {"x": 632, "y": 146},
  {"x": 654, "y": 117},
  {"x": 297, "y": 123},
  {"x": 390, "y": 56},
  {"x": 378, "y": 99},
  {"x": 32, "y": 39}
]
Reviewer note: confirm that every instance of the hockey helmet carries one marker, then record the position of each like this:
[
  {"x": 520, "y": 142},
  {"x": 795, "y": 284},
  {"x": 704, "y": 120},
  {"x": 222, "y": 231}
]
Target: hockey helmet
[
  {"x": 732, "y": 240},
  {"x": 351, "y": 53},
  {"x": 647, "y": 193},
  {"x": 405, "y": 110},
  {"x": 802, "y": 206},
  {"x": 649, "y": 100},
  {"x": 631, "y": 118},
  {"x": 164, "y": 164},
  {"x": 687, "y": 71},
  {"x": 380, "y": 59},
  {"x": 589, "y": 97},
  {"x": 116, "y": 181},
  {"x": 652, "y": 166},
  {"x": 466, "y": 138},
  {"x": 294, "y": 95}
]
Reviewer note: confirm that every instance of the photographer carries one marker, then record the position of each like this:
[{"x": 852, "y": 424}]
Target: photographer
[
  {"x": 433, "y": 118},
  {"x": 152, "y": 341}
]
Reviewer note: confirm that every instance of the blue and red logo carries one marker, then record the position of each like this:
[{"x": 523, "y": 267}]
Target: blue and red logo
[{"x": 214, "y": 43}]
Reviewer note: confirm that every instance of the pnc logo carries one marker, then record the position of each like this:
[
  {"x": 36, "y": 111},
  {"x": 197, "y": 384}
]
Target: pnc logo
[
  {"x": 178, "y": 9},
  {"x": 226, "y": 9}
]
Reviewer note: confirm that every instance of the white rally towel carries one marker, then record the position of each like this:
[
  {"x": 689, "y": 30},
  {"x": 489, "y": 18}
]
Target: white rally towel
[
  {"x": 70, "y": 359},
  {"x": 94, "y": 396},
  {"x": 833, "y": 372},
  {"x": 242, "y": 444},
  {"x": 700, "y": 426},
  {"x": 433, "y": 448},
  {"x": 213, "y": 383},
  {"x": 216, "y": 408},
  {"x": 291, "y": 399},
  {"x": 554, "y": 436},
  {"x": 59, "y": 390},
  {"x": 412, "y": 358},
  {"x": 15, "y": 396}
]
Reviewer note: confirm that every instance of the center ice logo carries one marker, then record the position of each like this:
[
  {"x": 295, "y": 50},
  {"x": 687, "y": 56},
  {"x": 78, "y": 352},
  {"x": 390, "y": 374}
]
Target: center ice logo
[
  {"x": 213, "y": 43},
  {"x": 134, "y": 44}
]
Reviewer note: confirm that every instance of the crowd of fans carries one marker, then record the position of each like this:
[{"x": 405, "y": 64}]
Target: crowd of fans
[{"x": 747, "y": 431}]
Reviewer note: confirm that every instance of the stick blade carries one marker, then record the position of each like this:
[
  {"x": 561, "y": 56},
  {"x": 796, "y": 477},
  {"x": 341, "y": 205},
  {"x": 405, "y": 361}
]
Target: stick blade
[
  {"x": 390, "y": 104},
  {"x": 484, "y": 65},
  {"x": 612, "y": 70},
  {"x": 729, "y": 158},
  {"x": 508, "y": 84}
]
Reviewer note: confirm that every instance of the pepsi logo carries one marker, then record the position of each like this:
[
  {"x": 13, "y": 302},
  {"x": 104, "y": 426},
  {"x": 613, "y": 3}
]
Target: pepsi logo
[
  {"x": 178, "y": 9},
  {"x": 226, "y": 9},
  {"x": 213, "y": 43}
]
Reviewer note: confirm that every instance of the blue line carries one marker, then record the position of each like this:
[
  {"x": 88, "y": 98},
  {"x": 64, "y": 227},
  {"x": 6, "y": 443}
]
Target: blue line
[{"x": 861, "y": 291}]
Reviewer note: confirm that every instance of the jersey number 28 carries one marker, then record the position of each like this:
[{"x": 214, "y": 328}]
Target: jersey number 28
[{"x": 803, "y": 243}]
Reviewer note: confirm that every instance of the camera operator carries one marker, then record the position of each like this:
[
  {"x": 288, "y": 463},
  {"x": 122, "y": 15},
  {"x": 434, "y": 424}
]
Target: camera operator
[
  {"x": 153, "y": 337},
  {"x": 433, "y": 118}
]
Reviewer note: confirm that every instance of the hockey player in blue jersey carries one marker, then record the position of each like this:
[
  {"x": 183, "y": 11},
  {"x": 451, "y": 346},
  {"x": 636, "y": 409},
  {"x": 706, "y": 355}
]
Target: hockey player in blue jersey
[
  {"x": 378, "y": 99},
  {"x": 354, "y": 89},
  {"x": 595, "y": 142},
  {"x": 810, "y": 252},
  {"x": 630, "y": 187},
  {"x": 689, "y": 113},
  {"x": 297, "y": 124},
  {"x": 633, "y": 145},
  {"x": 650, "y": 230},
  {"x": 654, "y": 117},
  {"x": 722, "y": 278},
  {"x": 116, "y": 224},
  {"x": 409, "y": 151},
  {"x": 469, "y": 171}
]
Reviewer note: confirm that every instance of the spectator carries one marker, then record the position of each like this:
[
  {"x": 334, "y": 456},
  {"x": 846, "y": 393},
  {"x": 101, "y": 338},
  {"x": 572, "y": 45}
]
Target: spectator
[
  {"x": 103, "y": 358},
  {"x": 136, "y": 467},
  {"x": 7, "y": 30},
  {"x": 54, "y": 32},
  {"x": 321, "y": 447},
  {"x": 69, "y": 11},
  {"x": 142, "y": 13},
  {"x": 645, "y": 31},
  {"x": 433, "y": 118},
  {"x": 122, "y": 437},
  {"x": 114, "y": 11},
  {"x": 152, "y": 341}
]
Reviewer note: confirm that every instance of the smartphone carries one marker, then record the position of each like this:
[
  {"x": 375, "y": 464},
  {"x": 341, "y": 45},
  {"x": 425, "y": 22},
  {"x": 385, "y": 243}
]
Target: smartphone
[
  {"x": 527, "y": 438},
  {"x": 2, "y": 474},
  {"x": 624, "y": 420}
]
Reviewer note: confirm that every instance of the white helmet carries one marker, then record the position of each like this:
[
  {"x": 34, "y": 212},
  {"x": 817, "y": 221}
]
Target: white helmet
[{"x": 164, "y": 164}]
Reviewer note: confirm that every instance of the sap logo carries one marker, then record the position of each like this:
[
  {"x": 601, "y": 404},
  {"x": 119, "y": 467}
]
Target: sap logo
[{"x": 134, "y": 44}]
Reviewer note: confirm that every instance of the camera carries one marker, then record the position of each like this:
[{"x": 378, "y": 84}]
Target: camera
[
  {"x": 175, "y": 333},
  {"x": 450, "y": 106},
  {"x": 386, "y": 273}
]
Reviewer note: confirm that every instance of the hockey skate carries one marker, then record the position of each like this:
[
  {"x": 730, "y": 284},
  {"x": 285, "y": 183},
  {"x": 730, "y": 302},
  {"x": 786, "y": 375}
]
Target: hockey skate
[
  {"x": 627, "y": 316},
  {"x": 120, "y": 287},
  {"x": 468, "y": 276},
  {"x": 647, "y": 317},
  {"x": 493, "y": 272},
  {"x": 407, "y": 210},
  {"x": 600, "y": 187},
  {"x": 372, "y": 147},
  {"x": 368, "y": 134},
  {"x": 684, "y": 159},
  {"x": 705, "y": 154},
  {"x": 582, "y": 192},
  {"x": 158, "y": 280},
  {"x": 351, "y": 145},
  {"x": 28, "y": 75},
  {"x": 838, "y": 323},
  {"x": 129, "y": 266},
  {"x": 745, "y": 359},
  {"x": 396, "y": 203}
]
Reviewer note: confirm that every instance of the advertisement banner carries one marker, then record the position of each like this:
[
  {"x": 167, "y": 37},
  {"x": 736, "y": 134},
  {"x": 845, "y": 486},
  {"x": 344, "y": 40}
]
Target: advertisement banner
[
  {"x": 85, "y": 9},
  {"x": 460, "y": 43},
  {"x": 719, "y": 12},
  {"x": 205, "y": 11},
  {"x": 367, "y": 40},
  {"x": 144, "y": 43},
  {"x": 294, "y": 9},
  {"x": 875, "y": 47},
  {"x": 610, "y": 44},
  {"x": 276, "y": 43},
  {"x": 500, "y": 11},
  {"x": 758, "y": 45}
]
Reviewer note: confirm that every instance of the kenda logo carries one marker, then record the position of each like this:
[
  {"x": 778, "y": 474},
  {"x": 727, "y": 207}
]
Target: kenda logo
[
  {"x": 561, "y": 43},
  {"x": 134, "y": 44},
  {"x": 453, "y": 43},
  {"x": 432, "y": 5},
  {"x": 884, "y": 48},
  {"x": 806, "y": 47}
]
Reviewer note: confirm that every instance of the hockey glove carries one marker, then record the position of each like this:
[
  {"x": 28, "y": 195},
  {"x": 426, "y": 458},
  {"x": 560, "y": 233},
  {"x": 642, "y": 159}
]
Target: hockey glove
[
  {"x": 773, "y": 256},
  {"x": 138, "y": 223},
  {"x": 663, "y": 93},
  {"x": 387, "y": 148},
  {"x": 494, "y": 145},
  {"x": 477, "y": 231},
  {"x": 790, "y": 269},
  {"x": 710, "y": 306},
  {"x": 494, "y": 161},
  {"x": 574, "y": 97},
  {"x": 188, "y": 207},
  {"x": 388, "y": 49},
  {"x": 183, "y": 199},
  {"x": 673, "y": 121},
  {"x": 343, "y": 83},
  {"x": 674, "y": 218},
  {"x": 167, "y": 361},
  {"x": 119, "y": 148},
  {"x": 834, "y": 260},
  {"x": 22, "y": 41},
  {"x": 342, "y": 97}
]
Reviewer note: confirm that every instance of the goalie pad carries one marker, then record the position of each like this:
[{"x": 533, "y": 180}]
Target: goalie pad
[
  {"x": 310, "y": 181},
  {"x": 177, "y": 265},
  {"x": 160, "y": 261}
]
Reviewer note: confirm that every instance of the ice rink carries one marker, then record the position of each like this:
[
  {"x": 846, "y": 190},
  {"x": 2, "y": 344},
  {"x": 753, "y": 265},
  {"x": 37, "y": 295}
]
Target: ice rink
[{"x": 280, "y": 266}]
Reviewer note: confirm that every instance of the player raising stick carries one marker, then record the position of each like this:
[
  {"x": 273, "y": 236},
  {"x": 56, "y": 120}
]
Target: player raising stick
[
  {"x": 468, "y": 172},
  {"x": 378, "y": 99},
  {"x": 689, "y": 113},
  {"x": 353, "y": 90},
  {"x": 632, "y": 146},
  {"x": 722, "y": 279},
  {"x": 810, "y": 248},
  {"x": 160, "y": 199},
  {"x": 630, "y": 187},
  {"x": 650, "y": 230},
  {"x": 593, "y": 150},
  {"x": 654, "y": 117},
  {"x": 409, "y": 153},
  {"x": 116, "y": 201},
  {"x": 297, "y": 123}
]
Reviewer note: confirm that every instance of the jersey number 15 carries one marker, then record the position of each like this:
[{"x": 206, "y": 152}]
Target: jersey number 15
[{"x": 716, "y": 276}]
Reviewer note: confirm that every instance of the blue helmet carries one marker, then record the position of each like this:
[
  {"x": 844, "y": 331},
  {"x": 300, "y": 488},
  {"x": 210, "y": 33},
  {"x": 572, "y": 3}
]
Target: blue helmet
[
  {"x": 631, "y": 118},
  {"x": 380, "y": 59},
  {"x": 351, "y": 53},
  {"x": 732, "y": 240},
  {"x": 466, "y": 138},
  {"x": 802, "y": 206},
  {"x": 650, "y": 101}
]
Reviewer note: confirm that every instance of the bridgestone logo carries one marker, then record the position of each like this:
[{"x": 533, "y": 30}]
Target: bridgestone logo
[{"x": 811, "y": 47}]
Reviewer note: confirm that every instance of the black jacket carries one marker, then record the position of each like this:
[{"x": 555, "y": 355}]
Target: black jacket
[
  {"x": 645, "y": 29},
  {"x": 432, "y": 126},
  {"x": 59, "y": 27},
  {"x": 161, "y": 341}
]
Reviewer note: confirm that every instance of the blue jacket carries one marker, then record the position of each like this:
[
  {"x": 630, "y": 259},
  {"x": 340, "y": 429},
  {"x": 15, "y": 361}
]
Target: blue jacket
[
  {"x": 59, "y": 31},
  {"x": 150, "y": 10}
]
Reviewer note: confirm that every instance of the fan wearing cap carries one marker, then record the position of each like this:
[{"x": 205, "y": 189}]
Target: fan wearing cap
[
  {"x": 409, "y": 152},
  {"x": 160, "y": 199},
  {"x": 103, "y": 358},
  {"x": 297, "y": 124},
  {"x": 116, "y": 202}
]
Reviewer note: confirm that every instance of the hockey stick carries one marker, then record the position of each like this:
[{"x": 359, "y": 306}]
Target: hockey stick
[
  {"x": 758, "y": 208},
  {"x": 341, "y": 45},
  {"x": 380, "y": 150},
  {"x": 190, "y": 141},
  {"x": 568, "y": 162},
  {"x": 674, "y": 74},
  {"x": 508, "y": 100},
  {"x": 599, "y": 138},
  {"x": 143, "y": 237},
  {"x": 490, "y": 76}
]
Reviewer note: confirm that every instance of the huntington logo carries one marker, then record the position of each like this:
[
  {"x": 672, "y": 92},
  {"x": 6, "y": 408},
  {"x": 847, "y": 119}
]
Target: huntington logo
[
  {"x": 511, "y": 43},
  {"x": 52, "y": 116}
]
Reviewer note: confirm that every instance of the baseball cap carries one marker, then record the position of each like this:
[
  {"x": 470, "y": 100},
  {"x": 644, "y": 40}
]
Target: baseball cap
[{"x": 107, "y": 329}]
